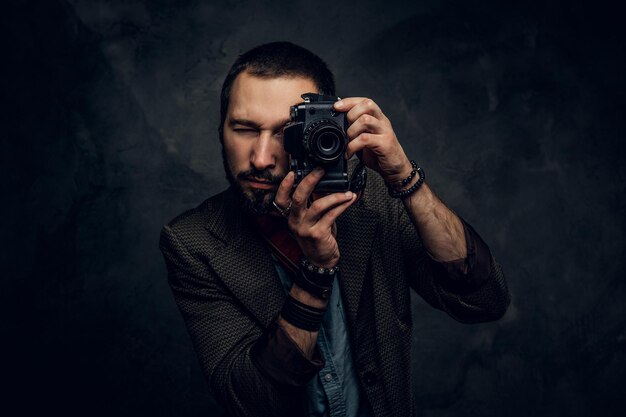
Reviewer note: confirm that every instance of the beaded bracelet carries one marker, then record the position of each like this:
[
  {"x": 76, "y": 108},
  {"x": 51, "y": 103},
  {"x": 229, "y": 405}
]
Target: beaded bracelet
[
  {"x": 405, "y": 193},
  {"x": 306, "y": 264}
]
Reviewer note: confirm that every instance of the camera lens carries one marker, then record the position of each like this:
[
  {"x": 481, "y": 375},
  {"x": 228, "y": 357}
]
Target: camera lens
[{"x": 325, "y": 141}]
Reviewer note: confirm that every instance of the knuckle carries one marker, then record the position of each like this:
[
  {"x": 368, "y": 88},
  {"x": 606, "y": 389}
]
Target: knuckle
[
  {"x": 315, "y": 234},
  {"x": 369, "y": 103},
  {"x": 310, "y": 179},
  {"x": 297, "y": 200},
  {"x": 315, "y": 207}
]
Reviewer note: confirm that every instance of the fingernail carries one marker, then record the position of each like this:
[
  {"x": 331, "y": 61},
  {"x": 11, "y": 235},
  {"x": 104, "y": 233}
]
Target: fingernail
[
  {"x": 338, "y": 104},
  {"x": 319, "y": 170}
]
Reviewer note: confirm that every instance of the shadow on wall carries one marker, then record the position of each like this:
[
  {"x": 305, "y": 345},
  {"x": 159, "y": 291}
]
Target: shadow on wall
[{"x": 89, "y": 184}]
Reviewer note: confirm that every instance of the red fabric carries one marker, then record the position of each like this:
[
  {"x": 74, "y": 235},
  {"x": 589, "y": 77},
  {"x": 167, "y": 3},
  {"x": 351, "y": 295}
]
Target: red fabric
[{"x": 275, "y": 231}]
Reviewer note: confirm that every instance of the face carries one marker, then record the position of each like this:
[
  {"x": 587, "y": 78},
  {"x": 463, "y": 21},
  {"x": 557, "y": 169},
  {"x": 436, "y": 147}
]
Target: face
[{"x": 254, "y": 158}]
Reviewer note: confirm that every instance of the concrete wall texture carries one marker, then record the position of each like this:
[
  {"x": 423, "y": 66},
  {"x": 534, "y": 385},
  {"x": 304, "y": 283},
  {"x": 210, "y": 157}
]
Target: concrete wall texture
[{"x": 109, "y": 130}]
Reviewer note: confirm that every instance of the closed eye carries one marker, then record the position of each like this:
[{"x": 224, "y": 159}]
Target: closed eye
[{"x": 245, "y": 130}]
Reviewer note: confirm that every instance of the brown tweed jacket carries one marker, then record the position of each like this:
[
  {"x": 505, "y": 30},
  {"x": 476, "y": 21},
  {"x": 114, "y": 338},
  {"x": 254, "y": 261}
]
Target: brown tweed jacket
[{"x": 228, "y": 291}]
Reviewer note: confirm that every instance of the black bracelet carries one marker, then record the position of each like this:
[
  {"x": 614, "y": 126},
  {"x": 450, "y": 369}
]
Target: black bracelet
[
  {"x": 318, "y": 287},
  {"x": 411, "y": 175},
  {"x": 301, "y": 315},
  {"x": 405, "y": 193}
]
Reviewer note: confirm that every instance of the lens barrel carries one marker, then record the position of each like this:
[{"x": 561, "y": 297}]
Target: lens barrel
[{"x": 325, "y": 141}]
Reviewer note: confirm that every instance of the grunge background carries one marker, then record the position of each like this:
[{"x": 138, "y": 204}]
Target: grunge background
[{"x": 109, "y": 130}]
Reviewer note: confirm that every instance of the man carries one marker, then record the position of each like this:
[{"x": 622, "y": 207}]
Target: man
[{"x": 277, "y": 336}]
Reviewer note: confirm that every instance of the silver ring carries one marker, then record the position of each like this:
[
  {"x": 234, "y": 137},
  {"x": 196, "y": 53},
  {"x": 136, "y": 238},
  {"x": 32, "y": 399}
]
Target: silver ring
[{"x": 283, "y": 212}]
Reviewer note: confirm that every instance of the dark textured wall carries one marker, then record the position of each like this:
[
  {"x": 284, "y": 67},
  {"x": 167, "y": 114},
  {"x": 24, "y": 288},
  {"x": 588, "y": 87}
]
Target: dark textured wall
[{"x": 109, "y": 130}]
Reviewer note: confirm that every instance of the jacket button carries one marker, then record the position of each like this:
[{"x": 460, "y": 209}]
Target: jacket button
[{"x": 370, "y": 378}]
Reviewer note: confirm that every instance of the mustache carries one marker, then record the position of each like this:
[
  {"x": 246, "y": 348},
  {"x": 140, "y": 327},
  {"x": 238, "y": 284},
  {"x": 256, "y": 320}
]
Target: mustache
[{"x": 262, "y": 174}]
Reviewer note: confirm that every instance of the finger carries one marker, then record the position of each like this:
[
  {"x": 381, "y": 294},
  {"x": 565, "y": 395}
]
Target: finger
[
  {"x": 364, "y": 140},
  {"x": 328, "y": 219},
  {"x": 282, "y": 198},
  {"x": 346, "y": 104},
  {"x": 365, "y": 123},
  {"x": 357, "y": 106},
  {"x": 304, "y": 189},
  {"x": 322, "y": 205}
]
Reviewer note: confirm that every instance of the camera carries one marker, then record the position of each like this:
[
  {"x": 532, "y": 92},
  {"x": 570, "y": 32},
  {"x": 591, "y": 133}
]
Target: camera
[{"x": 316, "y": 136}]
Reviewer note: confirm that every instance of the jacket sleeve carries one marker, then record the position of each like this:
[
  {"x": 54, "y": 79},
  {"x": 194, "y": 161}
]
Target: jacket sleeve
[
  {"x": 477, "y": 294},
  {"x": 251, "y": 371}
]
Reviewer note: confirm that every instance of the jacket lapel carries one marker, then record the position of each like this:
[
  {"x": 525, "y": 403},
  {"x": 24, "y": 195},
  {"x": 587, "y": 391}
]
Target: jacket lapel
[
  {"x": 356, "y": 231},
  {"x": 243, "y": 261}
]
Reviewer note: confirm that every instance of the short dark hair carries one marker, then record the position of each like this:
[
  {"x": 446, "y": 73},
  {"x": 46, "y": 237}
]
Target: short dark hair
[{"x": 273, "y": 60}]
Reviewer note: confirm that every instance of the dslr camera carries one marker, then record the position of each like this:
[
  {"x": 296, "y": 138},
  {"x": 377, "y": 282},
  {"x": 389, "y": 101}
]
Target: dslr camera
[{"x": 316, "y": 136}]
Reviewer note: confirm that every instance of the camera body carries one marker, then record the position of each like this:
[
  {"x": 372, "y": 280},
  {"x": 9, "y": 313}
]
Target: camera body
[{"x": 316, "y": 136}]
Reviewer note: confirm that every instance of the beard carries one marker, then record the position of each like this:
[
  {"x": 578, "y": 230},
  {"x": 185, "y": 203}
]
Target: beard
[{"x": 256, "y": 201}]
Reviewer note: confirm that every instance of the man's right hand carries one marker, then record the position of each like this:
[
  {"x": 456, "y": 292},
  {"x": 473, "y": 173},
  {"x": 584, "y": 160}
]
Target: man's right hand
[{"x": 313, "y": 226}]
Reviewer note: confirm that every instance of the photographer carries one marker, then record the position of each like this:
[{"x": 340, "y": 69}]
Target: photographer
[{"x": 297, "y": 300}]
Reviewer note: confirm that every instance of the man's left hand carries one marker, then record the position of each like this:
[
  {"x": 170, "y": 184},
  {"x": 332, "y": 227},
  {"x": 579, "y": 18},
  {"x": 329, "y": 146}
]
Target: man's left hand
[{"x": 370, "y": 131}]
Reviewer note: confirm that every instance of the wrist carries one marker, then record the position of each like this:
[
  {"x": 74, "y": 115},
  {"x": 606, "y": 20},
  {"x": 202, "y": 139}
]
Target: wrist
[
  {"x": 305, "y": 297},
  {"x": 395, "y": 179},
  {"x": 318, "y": 263},
  {"x": 319, "y": 269},
  {"x": 302, "y": 315},
  {"x": 316, "y": 281},
  {"x": 408, "y": 185}
]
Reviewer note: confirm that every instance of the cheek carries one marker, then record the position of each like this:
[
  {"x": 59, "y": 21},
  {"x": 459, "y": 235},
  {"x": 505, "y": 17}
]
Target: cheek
[
  {"x": 282, "y": 156},
  {"x": 236, "y": 153}
]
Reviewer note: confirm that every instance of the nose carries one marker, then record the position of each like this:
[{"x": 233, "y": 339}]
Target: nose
[{"x": 264, "y": 152}]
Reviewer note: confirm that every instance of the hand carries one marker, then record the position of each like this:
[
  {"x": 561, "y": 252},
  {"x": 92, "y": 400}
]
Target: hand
[
  {"x": 370, "y": 131},
  {"x": 314, "y": 226}
]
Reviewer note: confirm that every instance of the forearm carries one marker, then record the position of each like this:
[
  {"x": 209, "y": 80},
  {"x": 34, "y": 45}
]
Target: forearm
[
  {"x": 440, "y": 229},
  {"x": 304, "y": 339},
  {"x": 468, "y": 284}
]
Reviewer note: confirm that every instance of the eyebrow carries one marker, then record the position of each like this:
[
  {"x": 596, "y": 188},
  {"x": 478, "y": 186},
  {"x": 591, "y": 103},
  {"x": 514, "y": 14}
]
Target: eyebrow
[{"x": 250, "y": 123}]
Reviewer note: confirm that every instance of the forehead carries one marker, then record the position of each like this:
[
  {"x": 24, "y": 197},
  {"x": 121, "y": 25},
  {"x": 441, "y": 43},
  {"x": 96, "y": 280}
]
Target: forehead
[{"x": 265, "y": 100}]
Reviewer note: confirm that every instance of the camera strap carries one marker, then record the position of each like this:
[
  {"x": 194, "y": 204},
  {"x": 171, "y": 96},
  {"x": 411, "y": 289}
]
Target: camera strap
[
  {"x": 282, "y": 244},
  {"x": 358, "y": 180}
]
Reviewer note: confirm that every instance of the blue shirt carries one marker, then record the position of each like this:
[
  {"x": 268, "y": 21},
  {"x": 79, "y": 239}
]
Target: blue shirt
[{"x": 334, "y": 391}]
